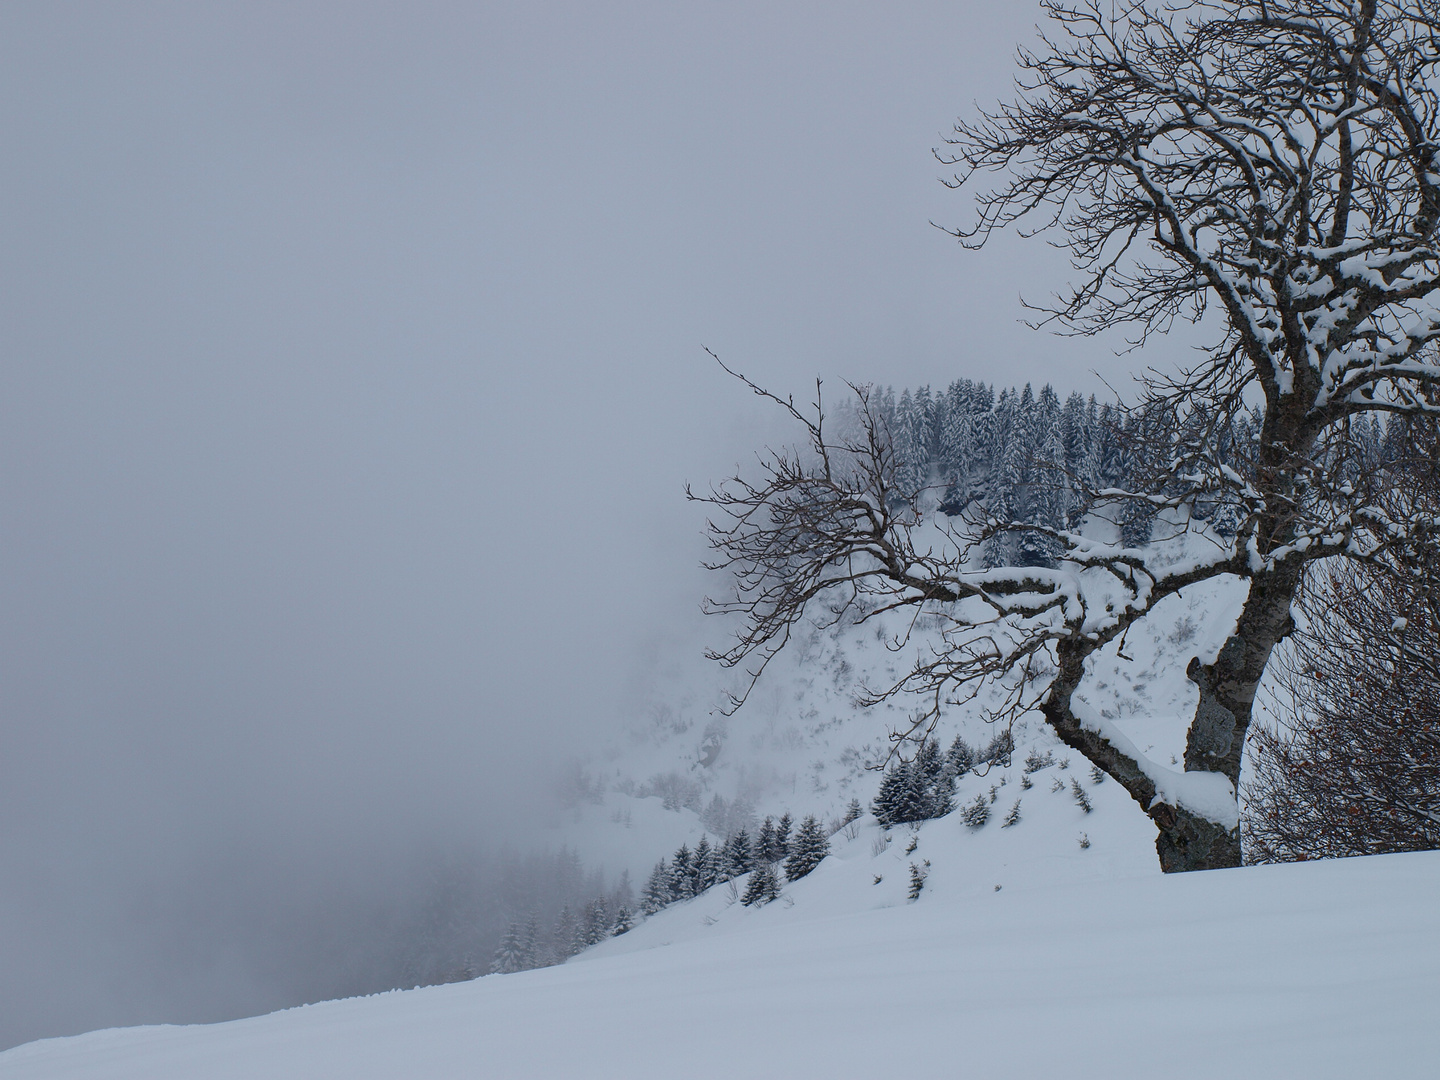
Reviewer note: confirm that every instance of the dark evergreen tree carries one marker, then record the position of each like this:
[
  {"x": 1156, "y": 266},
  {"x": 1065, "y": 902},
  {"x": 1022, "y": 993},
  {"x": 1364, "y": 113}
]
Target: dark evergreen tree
[
  {"x": 682, "y": 885},
  {"x": 656, "y": 893},
  {"x": 782, "y": 835},
  {"x": 739, "y": 859},
  {"x": 807, "y": 851},
  {"x": 765, "y": 842},
  {"x": 763, "y": 885},
  {"x": 703, "y": 865}
]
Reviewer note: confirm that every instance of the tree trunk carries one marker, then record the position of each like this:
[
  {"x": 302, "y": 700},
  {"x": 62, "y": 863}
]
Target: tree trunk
[
  {"x": 1215, "y": 741},
  {"x": 1190, "y": 842}
]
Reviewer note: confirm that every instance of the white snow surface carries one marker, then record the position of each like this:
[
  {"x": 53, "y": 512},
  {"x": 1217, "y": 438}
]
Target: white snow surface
[{"x": 1084, "y": 964}]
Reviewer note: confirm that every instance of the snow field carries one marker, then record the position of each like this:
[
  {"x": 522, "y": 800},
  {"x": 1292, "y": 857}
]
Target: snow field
[{"x": 1309, "y": 970}]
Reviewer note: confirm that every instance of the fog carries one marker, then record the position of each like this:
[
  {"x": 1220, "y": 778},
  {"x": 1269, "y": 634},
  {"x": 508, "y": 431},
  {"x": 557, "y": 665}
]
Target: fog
[{"x": 352, "y": 374}]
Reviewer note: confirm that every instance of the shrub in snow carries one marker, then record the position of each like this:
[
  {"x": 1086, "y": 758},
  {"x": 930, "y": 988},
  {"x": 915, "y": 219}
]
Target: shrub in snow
[
  {"x": 918, "y": 875},
  {"x": 1355, "y": 770},
  {"x": 1013, "y": 817},
  {"x": 976, "y": 813},
  {"x": 1035, "y": 761},
  {"x": 1057, "y": 785},
  {"x": 1080, "y": 796},
  {"x": 1084, "y": 841},
  {"x": 1097, "y": 774}
]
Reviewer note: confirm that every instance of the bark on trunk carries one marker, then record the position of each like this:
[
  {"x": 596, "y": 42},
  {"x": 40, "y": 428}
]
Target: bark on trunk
[{"x": 1215, "y": 741}]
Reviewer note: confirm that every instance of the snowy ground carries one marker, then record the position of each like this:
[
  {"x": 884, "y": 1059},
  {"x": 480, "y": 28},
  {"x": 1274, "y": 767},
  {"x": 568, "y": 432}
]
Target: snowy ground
[{"x": 1085, "y": 963}]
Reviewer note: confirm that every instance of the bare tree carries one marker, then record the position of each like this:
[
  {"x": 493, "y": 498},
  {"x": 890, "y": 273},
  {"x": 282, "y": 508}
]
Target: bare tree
[
  {"x": 1276, "y": 162},
  {"x": 1350, "y": 764}
]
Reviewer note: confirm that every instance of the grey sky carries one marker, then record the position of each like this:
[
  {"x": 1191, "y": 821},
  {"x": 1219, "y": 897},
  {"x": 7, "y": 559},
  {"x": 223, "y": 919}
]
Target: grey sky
[{"x": 351, "y": 378}]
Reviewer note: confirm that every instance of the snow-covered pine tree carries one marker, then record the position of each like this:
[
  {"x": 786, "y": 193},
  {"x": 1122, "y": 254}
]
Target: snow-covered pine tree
[
  {"x": 782, "y": 835},
  {"x": 739, "y": 859},
  {"x": 565, "y": 940},
  {"x": 624, "y": 922},
  {"x": 938, "y": 782},
  {"x": 910, "y": 458},
  {"x": 808, "y": 850},
  {"x": 998, "y": 750},
  {"x": 976, "y": 813},
  {"x": 530, "y": 944},
  {"x": 703, "y": 865},
  {"x": 682, "y": 885},
  {"x": 510, "y": 955},
  {"x": 960, "y": 758},
  {"x": 597, "y": 921},
  {"x": 887, "y": 802},
  {"x": 765, "y": 841},
  {"x": 656, "y": 893},
  {"x": 763, "y": 886},
  {"x": 918, "y": 874}
]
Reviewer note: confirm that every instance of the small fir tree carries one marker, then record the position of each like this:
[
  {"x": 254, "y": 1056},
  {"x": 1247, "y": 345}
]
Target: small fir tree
[
  {"x": 976, "y": 813},
  {"x": 1013, "y": 817},
  {"x": 918, "y": 874}
]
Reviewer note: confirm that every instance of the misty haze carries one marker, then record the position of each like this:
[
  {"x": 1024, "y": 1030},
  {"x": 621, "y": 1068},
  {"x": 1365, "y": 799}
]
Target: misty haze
[{"x": 357, "y": 358}]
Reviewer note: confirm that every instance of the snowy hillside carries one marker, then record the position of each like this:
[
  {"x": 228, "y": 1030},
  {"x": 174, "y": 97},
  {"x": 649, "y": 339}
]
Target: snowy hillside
[
  {"x": 1081, "y": 965},
  {"x": 802, "y": 743}
]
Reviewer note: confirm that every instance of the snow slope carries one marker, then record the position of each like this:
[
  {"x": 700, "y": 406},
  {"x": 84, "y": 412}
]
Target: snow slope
[{"x": 1305, "y": 970}]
